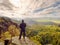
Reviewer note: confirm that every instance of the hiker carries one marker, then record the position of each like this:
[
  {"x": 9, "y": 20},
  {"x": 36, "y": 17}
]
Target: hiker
[{"x": 22, "y": 27}]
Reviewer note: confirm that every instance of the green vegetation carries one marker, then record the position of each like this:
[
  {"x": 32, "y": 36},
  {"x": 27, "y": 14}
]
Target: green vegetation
[
  {"x": 8, "y": 29},
  {"x": 45, "y": 34},
  {"x": 43, "y": 20},
  {"x": 56, "y": 21},
  {"x": 40, "y": 34}
]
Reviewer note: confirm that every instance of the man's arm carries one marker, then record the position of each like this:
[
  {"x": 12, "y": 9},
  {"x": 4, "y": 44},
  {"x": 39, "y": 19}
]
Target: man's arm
[
  {"x": 20, "y": 25},
  {"x": 25, "y": 24}
]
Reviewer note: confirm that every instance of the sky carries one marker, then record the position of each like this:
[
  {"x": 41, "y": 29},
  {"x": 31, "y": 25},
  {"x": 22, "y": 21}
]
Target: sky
[{"x": 29, "y": 8}]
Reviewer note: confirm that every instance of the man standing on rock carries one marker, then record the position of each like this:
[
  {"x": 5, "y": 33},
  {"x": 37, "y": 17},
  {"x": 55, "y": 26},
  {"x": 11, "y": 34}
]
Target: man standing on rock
[{"x": 22, "y": 27}]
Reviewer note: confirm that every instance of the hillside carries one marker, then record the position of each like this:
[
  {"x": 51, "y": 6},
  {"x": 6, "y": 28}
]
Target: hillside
[{"x": 8, "y": 29}]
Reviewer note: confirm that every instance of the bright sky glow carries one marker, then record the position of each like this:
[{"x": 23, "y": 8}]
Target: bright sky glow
[
  {"x": 16, "y": 3},
  {"x": 31, "y": 8}
]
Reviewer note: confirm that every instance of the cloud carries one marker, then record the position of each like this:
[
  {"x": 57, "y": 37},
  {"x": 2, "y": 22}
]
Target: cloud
[
  {"x": 52, "y": 10},
  {"x": 31, "y": 8},
  {"x": 55, "y": 4}
]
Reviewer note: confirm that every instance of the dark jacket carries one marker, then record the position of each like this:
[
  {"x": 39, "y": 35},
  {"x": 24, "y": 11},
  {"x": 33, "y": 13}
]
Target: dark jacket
[{"x": 23, "y": 26}]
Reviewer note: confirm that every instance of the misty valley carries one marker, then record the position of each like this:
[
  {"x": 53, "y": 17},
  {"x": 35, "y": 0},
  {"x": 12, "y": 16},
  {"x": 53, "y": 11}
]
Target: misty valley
[{"x": 41, "y": 33}]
